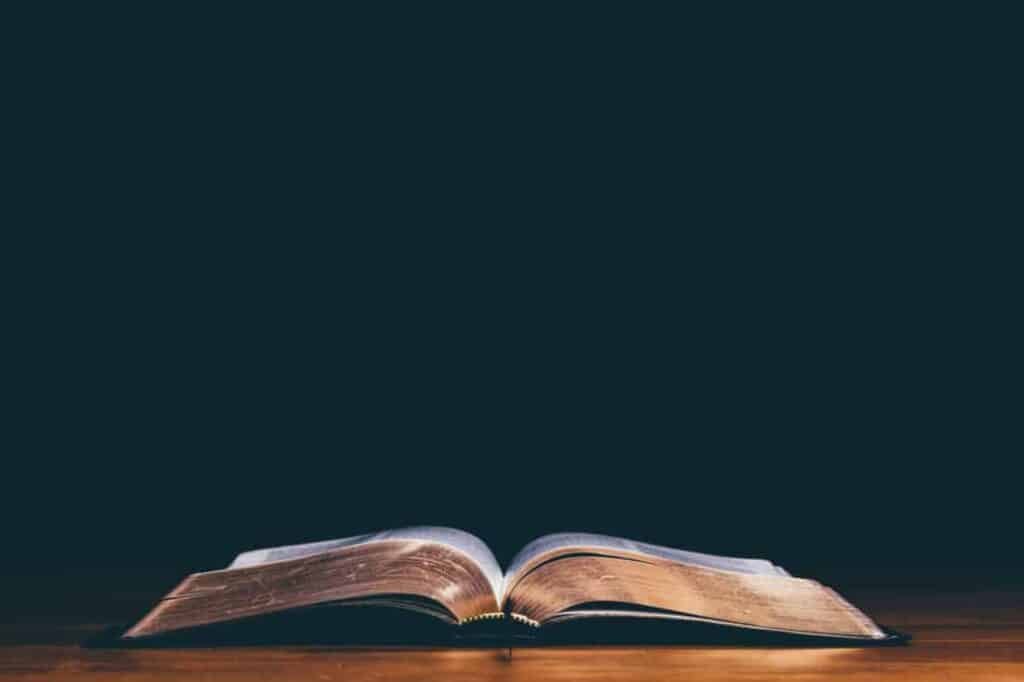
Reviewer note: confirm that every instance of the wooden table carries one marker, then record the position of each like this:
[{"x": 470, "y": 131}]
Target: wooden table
[{"x": 965, "y": 634}]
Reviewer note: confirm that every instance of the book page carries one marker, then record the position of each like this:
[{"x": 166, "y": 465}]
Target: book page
[
  {"x": 585, "y": 542},
  {"x": 459, "y": 540},
  {"x": 575, "y": 582}
]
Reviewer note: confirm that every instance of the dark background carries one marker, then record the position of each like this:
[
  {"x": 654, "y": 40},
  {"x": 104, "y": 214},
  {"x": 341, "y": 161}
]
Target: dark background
[{"x": 673, "y": 278}]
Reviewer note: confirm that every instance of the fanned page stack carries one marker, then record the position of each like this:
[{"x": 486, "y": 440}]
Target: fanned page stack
[{"x": 452, "y": 576}]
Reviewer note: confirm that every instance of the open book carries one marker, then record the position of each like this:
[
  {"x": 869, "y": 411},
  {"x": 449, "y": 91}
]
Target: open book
[{"x": 453, "y": 577}]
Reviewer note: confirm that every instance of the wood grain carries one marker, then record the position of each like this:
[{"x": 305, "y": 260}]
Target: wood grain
[{"x": 959, "y": 635}]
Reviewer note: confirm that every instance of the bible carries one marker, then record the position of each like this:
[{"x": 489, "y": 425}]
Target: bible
[{"x": 452, "y": 578}]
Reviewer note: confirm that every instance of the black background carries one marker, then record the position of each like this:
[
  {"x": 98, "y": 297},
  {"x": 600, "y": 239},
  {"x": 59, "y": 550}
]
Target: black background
[{"x": 736, "y": 295}]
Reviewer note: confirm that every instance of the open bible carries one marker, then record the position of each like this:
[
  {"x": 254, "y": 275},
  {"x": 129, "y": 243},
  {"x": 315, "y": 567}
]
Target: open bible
[{"x": 452, "y": 577}]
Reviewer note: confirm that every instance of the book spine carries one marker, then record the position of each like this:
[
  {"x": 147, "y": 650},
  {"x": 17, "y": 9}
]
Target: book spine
[
  {"x": 497, "y": 615},
  {"x": 520, "y": 618},
  {"x": 491, "y": 615}
]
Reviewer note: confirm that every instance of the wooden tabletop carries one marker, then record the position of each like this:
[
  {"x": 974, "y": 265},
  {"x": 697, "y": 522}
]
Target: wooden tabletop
[{"x": 964, "y": 634}]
